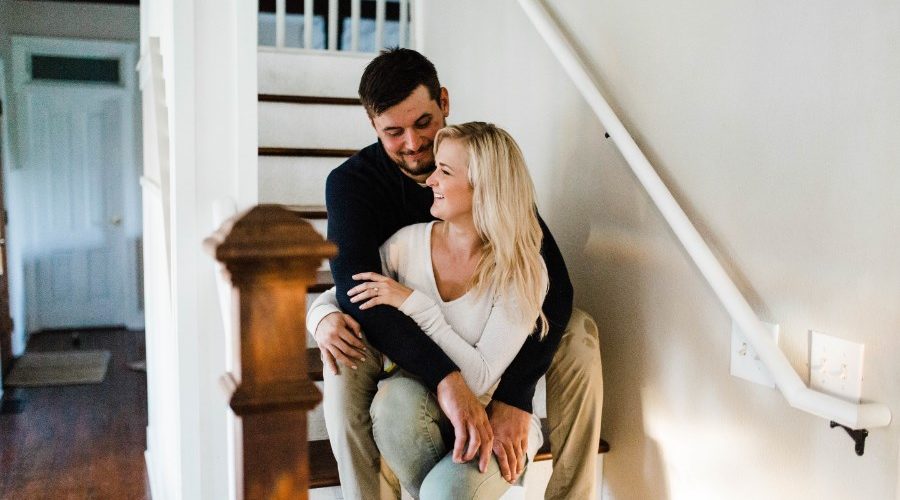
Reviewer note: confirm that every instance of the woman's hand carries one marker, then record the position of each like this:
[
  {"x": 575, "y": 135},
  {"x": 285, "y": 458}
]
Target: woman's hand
[{"x": 377, "y": 290}]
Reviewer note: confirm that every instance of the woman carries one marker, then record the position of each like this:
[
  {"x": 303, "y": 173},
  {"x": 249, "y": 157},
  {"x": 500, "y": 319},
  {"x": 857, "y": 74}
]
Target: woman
[{"x": 474, "y": 281}]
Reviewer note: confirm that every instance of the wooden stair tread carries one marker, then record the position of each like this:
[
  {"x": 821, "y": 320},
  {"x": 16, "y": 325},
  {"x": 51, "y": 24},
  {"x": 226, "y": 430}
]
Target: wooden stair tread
[
  {"x": 315, "y": 212},
  {"x": 323, "y": 471},
  {"x": 309, "y": 99},
  {"x": 306, "y": 152},
  {"x": 323, "y": 468},
  {"x": 323, "y": 282}
]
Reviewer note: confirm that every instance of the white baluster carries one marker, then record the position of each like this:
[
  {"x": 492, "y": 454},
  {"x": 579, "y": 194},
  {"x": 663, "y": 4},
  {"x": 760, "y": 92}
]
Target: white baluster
[
  {"x": 332, "y": 25},
  {"x": 404, "y": 23},
  {"x": 280, "y": 11},
  {"x": 379, "y": 24},
  {"x": 308, "y": 24},
  {"x": 414, "y": 35},
  {"x": 354, "y": 25}
]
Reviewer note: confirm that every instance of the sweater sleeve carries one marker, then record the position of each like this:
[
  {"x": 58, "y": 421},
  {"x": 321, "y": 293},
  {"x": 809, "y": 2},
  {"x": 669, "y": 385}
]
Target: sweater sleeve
[
  {"x": 482, "y": 364},
  {"x": 517, "y": 385},
  {"x": 325, "y": 304},
  {"x": 352, "y": 221}
]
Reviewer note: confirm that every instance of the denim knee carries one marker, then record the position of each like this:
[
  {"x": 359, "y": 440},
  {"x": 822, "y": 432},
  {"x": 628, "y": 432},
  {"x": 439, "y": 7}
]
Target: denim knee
[
  {"x": 397, "y": 406},
  {"x": 452, "y": 481},
  {"x": 406, "y": 424}
]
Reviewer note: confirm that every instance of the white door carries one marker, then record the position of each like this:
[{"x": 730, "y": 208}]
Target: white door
[
  {"x": 75, "y": 263},
  {"x": 75, "y": 129}
]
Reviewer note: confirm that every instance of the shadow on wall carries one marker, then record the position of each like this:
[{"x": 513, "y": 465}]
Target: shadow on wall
[{"x": 598, "y": 230}]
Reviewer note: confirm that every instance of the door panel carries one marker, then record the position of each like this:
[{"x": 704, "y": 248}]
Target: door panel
[{"x": 74, "y": 145}]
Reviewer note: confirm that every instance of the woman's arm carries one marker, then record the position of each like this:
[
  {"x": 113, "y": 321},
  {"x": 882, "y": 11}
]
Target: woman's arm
[{"x": 481, "y": 365}]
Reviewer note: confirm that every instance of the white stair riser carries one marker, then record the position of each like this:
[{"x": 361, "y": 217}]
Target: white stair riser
[
  {"x": 293, "y": 180},
  {"x": 321, "y": 75},
  {"x": 320, "y": 225},
  {"x": 327, "y": 126}
]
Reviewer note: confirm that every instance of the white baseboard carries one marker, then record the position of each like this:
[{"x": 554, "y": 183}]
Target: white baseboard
[{"x": 156, "y": 489}]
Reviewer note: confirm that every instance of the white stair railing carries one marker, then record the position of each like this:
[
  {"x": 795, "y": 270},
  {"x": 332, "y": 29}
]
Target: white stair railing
[
  {"x": 370, "y": 25},
  {"x": 798, "y": 395}
]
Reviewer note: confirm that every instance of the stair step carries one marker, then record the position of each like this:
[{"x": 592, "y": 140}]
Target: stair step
[
  {"x": 287, "y": 180},
  {"x": 296, "y": 73},
  {"x": 323, "y": 471},
  {"x": 307, "y": 152},
  {"x": 309, "y": 99},
  {"x": 315, "y": 212},
  {"x": 324, "y": 281},
  {"x": 313, "y": 126}
]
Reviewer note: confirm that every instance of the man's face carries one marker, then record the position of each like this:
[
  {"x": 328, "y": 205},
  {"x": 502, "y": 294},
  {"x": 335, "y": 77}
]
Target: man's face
[{"x": 407, "y": 131}]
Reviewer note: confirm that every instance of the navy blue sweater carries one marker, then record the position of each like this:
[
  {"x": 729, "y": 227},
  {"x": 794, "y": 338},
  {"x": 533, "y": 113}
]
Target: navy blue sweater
[{"x": 368, "y": 199}]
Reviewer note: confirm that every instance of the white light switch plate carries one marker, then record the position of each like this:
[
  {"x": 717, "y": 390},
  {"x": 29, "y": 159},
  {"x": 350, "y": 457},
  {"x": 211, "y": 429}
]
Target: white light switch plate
[
  {"x": 745, "y": 363},
  {"x": 835, "y": 366}
]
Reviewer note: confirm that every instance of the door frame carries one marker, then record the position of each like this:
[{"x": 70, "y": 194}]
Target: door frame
[
  {"x": 126, "y": 53},
  {"x": 5, "y": 357}
]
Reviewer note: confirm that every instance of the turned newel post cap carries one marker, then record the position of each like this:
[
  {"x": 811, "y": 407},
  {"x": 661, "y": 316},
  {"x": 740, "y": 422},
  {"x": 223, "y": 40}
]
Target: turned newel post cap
[{"x": 266, "y": 233}]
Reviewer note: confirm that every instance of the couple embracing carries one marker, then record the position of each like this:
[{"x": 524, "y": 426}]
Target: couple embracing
[{"x": 451, "y": 301}]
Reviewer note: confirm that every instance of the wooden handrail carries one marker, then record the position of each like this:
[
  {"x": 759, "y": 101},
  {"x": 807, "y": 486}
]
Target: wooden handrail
[{"x": 270, "y": 253}]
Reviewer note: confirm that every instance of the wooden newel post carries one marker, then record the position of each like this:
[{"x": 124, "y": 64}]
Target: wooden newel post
[{"x": 272, "y": 256}]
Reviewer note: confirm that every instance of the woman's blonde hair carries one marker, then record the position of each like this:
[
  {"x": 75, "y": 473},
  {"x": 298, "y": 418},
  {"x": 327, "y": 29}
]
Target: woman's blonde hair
[{"x": 504, "y": 213}]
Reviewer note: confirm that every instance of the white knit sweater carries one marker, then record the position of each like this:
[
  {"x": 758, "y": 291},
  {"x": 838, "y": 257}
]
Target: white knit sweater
[{"x": 481, "y": 335}]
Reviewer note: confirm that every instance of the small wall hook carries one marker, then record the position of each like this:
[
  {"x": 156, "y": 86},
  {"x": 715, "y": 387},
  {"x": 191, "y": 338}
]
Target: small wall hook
[{"x": 857, "y": 435}]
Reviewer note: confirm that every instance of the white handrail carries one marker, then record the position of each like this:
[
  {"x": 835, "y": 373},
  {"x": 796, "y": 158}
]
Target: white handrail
[{"x": 856, "y": 416}]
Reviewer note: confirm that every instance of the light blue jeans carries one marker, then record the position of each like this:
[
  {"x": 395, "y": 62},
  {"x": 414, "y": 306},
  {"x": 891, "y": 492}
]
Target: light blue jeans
[{"x": 412, "y": 434}]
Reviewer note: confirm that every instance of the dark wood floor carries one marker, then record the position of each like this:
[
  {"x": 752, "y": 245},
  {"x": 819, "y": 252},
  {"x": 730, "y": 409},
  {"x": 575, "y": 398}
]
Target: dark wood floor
[{"x": 79, "y": 442}]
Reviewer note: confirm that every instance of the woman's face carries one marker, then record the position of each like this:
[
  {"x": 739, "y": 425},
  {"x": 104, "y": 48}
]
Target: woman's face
[{"x": 450, "y": 182}]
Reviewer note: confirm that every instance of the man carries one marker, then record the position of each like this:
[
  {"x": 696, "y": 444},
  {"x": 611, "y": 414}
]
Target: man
[{"x": 371, "y": 196}]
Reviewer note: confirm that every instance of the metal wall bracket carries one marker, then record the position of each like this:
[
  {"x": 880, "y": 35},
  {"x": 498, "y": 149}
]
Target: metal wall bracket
[{"x": 857, "y": 435}]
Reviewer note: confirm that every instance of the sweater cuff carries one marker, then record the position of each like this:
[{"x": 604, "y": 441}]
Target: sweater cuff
[
  {"x": 316, "y": 314},
  {"x": 416, "y": 303}
]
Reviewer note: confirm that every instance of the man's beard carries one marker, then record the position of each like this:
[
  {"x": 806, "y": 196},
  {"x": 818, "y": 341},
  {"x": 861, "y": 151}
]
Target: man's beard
[{"x": 417, "y": 170}]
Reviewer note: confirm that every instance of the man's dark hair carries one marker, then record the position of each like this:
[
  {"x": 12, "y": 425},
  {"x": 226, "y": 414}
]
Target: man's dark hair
[{"x": 392, "y": 76}]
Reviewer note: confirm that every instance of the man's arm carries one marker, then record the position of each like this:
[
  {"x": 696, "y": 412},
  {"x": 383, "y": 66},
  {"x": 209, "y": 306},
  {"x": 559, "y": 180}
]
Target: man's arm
[
  {"x": 352, "y": 225},
  {"x": 517, "y": 385},
  {"x": 510, "y": 411}
]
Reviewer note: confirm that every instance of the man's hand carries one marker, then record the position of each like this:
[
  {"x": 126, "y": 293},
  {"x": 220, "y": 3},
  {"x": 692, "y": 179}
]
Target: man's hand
[
  {"x": 470, "y": 423},
  {"x": 510, "y": 426},
  {"x": 338, "y": 336}
]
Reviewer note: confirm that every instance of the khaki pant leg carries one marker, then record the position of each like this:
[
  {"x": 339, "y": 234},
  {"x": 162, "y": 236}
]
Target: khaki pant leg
[
  {"x": 346, "y": 401},
  {"x": 574, "y": 410}
]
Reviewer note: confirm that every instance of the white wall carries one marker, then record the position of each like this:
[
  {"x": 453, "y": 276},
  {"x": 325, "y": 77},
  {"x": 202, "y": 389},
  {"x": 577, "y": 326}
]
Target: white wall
[
  {"x": 775, "y": 125},
  {"x": 209, "y": 65},
  {"x": 67, "y": 20}
]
